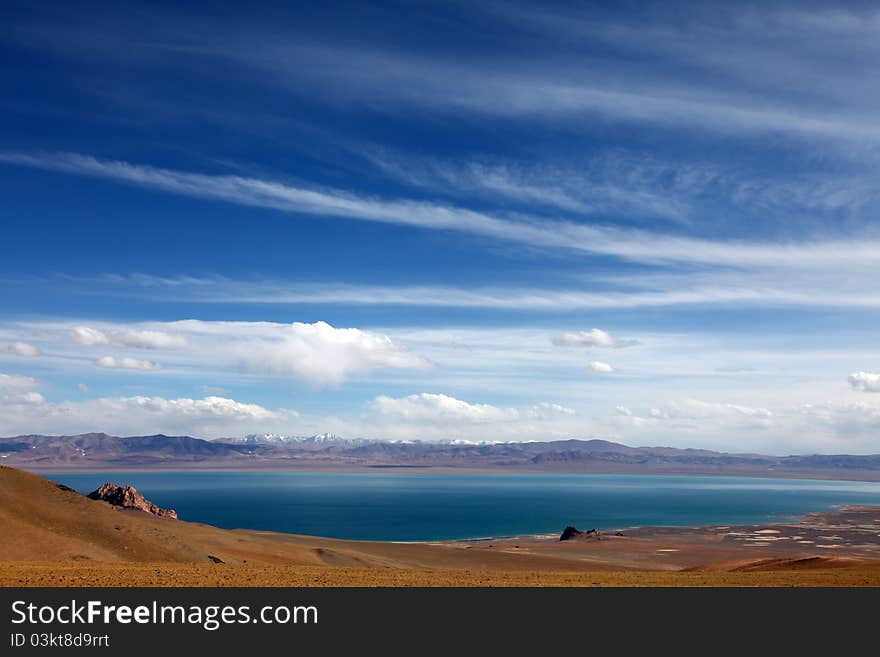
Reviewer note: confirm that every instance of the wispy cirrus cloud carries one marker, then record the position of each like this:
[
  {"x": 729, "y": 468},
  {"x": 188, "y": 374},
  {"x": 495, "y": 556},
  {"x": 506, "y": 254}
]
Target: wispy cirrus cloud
[
  {"x": 627, "y": 244},
  {"x": 607, "y": 186},
  {"x": 137, "y": 339},
  {"x": 734, "y": 69},
  {"x": 848, "y": 287},
  {"x": 559, "y": 87},
  {"x": 635, "y": 188},
  {"x": 784, "y": 46}
]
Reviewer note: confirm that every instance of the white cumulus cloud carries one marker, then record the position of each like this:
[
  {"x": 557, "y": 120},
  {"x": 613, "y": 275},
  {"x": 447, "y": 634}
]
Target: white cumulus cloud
[
  {"x": 16, "y": 390},
  {"x": 548, "y": 410},
  {"x": 22, "y": 349},
  {"x": 691, "y": 410},
  {"x": 438, "y": 408},
  {"x": 29, "y": 398},
  {"x": 30, "y": 412},
  {"x": 601, "y": 368},
  {"x": 592, "y": 338},
  {"x": 437, "y": 416},
  {"x": 323, "y": 354},
  {"x": 109, "y": 362},
  {"x": 145, "y": 339},
  {"x": 16, "y": 382},
  {"x": 88, "y": 336},
  {"x": 197, "y": 409},
  {"x": 865, "y": 381},
  {"x": 316, "y": 353}
]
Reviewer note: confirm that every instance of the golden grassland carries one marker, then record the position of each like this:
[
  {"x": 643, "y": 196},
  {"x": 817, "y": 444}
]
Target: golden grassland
[{"x": 71, "y": 574}]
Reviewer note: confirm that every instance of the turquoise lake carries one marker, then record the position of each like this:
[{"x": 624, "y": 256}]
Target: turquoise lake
[{"x": 421, "y": 507}]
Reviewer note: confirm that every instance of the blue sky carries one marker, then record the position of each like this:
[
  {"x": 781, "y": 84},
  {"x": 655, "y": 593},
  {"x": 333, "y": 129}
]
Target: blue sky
[{"x": 652, "y": 223}]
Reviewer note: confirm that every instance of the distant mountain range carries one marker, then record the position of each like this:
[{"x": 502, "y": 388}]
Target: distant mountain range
[
  {"x": 328, "y": 439},
  {"x": 99, "y": 451}
]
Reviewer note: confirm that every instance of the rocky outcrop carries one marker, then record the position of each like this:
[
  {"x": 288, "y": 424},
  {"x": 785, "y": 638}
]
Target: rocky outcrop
[
  {"x": 569, "y": 533},
  {"x": 127, "y": 497},
  {"x": 573, "y": 532}
]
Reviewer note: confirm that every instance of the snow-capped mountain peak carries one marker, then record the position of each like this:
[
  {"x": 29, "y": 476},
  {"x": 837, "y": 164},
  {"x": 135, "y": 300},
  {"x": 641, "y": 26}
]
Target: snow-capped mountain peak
[{"x": 281, "y": 439}]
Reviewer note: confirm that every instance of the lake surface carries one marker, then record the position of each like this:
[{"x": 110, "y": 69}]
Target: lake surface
[{"x": 420, "y": 507}]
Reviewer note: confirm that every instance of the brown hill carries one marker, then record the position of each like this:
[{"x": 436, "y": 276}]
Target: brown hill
[{"x": 45, "y": 521}]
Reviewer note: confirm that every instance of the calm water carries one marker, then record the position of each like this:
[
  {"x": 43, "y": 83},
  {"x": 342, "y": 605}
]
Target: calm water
[{"x": 411, "y": 507}]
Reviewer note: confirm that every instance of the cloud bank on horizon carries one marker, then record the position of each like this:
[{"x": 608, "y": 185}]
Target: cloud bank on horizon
[{"x": 516, "y": 222}]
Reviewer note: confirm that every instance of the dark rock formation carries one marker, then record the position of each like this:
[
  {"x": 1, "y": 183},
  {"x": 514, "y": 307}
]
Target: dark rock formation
[
  {"x": 569, "y": 533},
  {"x": 127, "y": 497},
  {"x": 573, "y": 532}
]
